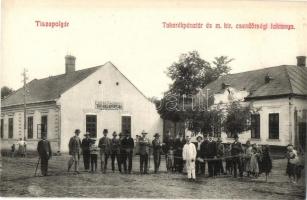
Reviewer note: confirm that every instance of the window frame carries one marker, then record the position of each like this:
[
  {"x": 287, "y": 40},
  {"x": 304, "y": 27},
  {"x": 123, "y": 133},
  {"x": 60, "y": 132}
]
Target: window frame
[
  {"x": 93, "y": 123},
  {"x": 28, "y": 127},
  {"x": 274, "y": 129},
  {"x": 11, "y": 128},
  {"x": 255, "y": 126}
]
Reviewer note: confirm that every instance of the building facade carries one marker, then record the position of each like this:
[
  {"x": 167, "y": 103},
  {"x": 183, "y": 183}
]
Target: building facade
[{"x": 91, "y": 100}]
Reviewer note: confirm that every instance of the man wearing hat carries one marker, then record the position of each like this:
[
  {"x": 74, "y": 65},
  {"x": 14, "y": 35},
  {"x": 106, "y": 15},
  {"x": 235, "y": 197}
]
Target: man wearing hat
[
  {"x": 236, "y": 151},
  {"x": 199, "y": 161},
  {"x": 209, "y": 151},
  {"x": 178, "y": 146},
  {"x": 144, "y": 153},
  {"x": 220, "y": 154},
  {"x": 105, "y": 150},
  {"x": 75, "y": 150},
  {"x": 115, "y": 144},
  {"x": 157, "y": 148},
  {"x": 45, "y": 153},
  {"x": 127, "y": 145},
  {"x": 86, "y": 143}
]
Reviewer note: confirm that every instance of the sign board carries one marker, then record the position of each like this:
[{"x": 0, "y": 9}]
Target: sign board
[{"x": 108, "y": 105}]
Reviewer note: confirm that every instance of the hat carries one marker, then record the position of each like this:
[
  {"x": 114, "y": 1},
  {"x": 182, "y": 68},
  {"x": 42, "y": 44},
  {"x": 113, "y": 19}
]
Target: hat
[
  {"x": 236, "y": 136},
  {"x": 157, "y": 135},
  {"x": 143, "y": 132},
  {"x": 105, "y": 130},
  {"x": 290, "y": 145},
  {"x": 199, "y": 136},
  {"x": 77, "y": 131},
  {"x": 120, "y": 134},
  {"x": 114, "y": 133},
  {"x": 87, "y": 133}
]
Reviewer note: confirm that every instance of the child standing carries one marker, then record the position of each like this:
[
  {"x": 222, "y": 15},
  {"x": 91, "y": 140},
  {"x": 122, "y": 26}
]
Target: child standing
[
  {"x": 292, "y": 162},
  {"x": 254, "y": 167},
  {"x": 189, "y": 157},
  {"x": 266, "y": 164},
  {"x": 93, "y": 155},
  {"x": 170, "y": 159}
]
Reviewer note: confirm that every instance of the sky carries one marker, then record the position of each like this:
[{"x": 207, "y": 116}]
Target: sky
[{"x": 131, "y": 35}]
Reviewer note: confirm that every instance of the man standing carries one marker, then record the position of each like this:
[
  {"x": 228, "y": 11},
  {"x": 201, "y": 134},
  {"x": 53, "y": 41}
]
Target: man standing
[
  {"x": 74, "y": 150},
  {"x": 178, "y": 145},
  {"x": 86, "y": 143},
  {"x": 127, "y": 145},
  {"x": 210, "y": 151},
  {"x": 236, "y": 150},
  {"x": 144, "y": 153},
  {"x": 45, "y": 153},
  {"x": 220, "y": 154},
  {"x": 189, "y": 156},
  {"x": 157, "y": 148},
  {"x": 105, "y": 150},
  {"x": 122, "y": 152},
  {"x": 115, "y": 144},
  {"x": 199, "y": 161}
]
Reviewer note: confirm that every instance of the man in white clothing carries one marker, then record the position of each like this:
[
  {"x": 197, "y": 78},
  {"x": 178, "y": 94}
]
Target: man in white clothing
[{"x": 189, "y": 157}]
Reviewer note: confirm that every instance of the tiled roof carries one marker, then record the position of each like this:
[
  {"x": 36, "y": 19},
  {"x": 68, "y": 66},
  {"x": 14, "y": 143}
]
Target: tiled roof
[
  {"x": 48, "y": 89},
  {"x": 286, "y": 80}
]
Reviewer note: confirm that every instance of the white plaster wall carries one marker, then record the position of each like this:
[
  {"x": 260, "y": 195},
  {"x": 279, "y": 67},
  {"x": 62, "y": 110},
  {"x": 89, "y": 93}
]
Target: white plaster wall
[{"x": 80, "y": 100}]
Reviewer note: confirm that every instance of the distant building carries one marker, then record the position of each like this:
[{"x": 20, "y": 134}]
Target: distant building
[
  {"x": 91, "y": 100},
  {"x": 279, "y": 97}
]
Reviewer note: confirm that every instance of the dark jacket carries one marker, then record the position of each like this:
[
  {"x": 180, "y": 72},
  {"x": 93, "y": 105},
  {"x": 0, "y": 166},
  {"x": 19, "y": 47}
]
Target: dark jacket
[
  {"x": 115, "y": 145},
  {"x": 156, "y": 146},
  {"x": 178, "y": 146},
  {"x": 44, "y": 149},
  {"x": 208, "y": 149},
  {"x": 144, "y": 144},
  {"x": 74, "y": 145},
  {"x": 127, "y": 144},
  {"x": 85, "y": 145},
  {"x": 105, "y": 145},
  {"x": 236, "y": 148}
]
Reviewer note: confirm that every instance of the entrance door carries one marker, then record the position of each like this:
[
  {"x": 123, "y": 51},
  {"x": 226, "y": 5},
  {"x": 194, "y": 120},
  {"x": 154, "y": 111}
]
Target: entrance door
[{"x": 126, "y": 124}]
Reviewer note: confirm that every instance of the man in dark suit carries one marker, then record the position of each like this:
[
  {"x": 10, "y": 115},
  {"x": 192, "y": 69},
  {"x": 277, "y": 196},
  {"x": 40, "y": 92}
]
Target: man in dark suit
[
  {"x": 115, "y": 151},
  {"x": 45, "y": 153},
  {"x": 85, "y": 145},
  {"x": 178, "y": 146},
  {"x": 105, "y": 150},
  {"x": 198, "y": 164},
  {"x": 157, "y": 149},
  {"x": 127, "y": 145},
  {"x": 236, "y": 150},
  {"x": 209, "y": 151},
  {"x": 74, "y": 150}
]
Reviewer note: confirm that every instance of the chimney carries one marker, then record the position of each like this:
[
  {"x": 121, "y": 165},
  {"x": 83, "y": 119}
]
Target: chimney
[
  {"x": 70, "y": 64},
  {"x": 301, "y": 61}
]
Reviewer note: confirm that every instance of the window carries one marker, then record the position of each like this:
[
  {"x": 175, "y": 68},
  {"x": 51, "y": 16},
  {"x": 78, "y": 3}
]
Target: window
[
  {"x": 44, "y": 125},
  {"x": 274, "y": 126},
  {"x": 255, "y": 126},
  {"x": 1, "y": 128},
  {"x": 91, "y": 125},
  {"x": 11, "y": 127},
  {"x": 126, "y": 124},
  {"x": 30, "y": 127}
]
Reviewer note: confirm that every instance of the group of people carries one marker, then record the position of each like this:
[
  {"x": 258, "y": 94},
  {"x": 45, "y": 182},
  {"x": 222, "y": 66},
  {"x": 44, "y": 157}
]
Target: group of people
[
  {"x": 20, "y": 148},
  {"x": 180, "y": 153},
  {"x": 117, "y": 148}
]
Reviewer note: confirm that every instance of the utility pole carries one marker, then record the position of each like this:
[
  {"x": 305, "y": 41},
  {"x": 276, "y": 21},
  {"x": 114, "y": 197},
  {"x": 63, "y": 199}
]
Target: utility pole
[{"x": 25, "y": 78}]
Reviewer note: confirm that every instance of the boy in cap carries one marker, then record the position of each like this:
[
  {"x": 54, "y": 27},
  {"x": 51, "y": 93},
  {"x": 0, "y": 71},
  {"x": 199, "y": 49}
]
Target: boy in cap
[
  {"x": 105, "y": 150},
  {"x": 94, "y": 155},
  {"x": 189, "y": 157},
  {"x": 74, "y": 151},
  {"x": 157, "y": 148},
  {"x": 199, "y": 161}
]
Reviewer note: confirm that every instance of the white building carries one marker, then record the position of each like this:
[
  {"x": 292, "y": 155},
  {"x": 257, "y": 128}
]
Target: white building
[
  {"x": 279, "y": 97},
  {"x": 91, "y": 100}
]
